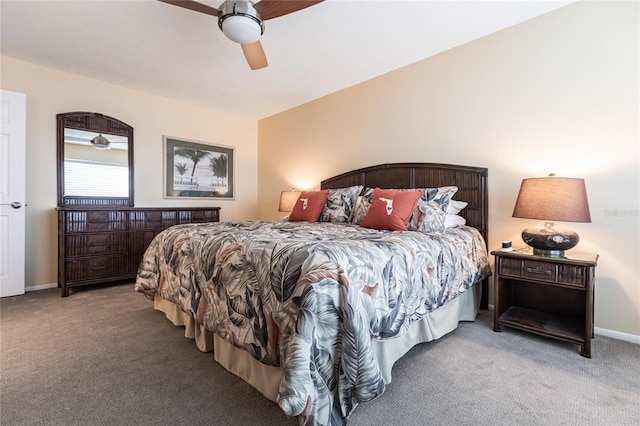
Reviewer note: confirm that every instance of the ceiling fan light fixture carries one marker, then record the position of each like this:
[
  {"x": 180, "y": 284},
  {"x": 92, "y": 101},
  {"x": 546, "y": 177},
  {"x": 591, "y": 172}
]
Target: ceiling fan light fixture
[
  {"x": 100, "y": 142},
  {"x": 241, "y": 29},
  {"x": 240, "y": 22}
]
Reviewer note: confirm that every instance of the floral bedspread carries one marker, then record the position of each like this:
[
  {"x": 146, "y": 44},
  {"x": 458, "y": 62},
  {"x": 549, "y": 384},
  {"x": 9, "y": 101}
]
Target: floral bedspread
[{"x": 309, "y": 296}]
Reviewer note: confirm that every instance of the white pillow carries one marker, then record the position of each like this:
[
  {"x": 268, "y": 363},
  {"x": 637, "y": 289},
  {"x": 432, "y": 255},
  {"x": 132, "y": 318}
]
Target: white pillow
[
  {"x": 454, "y": 220},
  {"x": 456, "y": 206}
]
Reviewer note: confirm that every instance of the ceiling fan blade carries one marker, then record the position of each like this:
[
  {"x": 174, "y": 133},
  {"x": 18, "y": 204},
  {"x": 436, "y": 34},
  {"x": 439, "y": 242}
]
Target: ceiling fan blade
[
  {"x": 254, "y": 53},
  {"x": 193, "y": 5},
  {"x": 269, "y": 9}
]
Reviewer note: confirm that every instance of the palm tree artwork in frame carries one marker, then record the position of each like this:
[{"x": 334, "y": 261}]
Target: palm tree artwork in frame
[{"x": 197, "y": 169}]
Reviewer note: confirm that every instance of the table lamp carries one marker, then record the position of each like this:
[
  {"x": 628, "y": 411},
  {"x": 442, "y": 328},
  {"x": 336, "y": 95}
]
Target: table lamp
[
  {"x": 288, "y": 200},
  {"x": 552, "y": 199}
]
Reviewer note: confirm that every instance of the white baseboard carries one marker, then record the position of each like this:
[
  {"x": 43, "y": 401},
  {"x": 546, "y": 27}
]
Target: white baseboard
[
  {"x": 609, "y": 333},
  {"x": 41, "y": 287},
  {"x": 617, "y": 335}
]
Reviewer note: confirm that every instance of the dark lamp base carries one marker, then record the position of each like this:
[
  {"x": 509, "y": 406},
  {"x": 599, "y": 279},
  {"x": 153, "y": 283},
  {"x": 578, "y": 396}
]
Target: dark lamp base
[
  {"x": 548, "y": 253},
  {"x": 549, "y": 240}
]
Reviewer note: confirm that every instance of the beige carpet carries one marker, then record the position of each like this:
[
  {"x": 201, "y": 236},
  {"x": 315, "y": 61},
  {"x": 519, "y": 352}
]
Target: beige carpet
[{"x": 103, "y": 356}]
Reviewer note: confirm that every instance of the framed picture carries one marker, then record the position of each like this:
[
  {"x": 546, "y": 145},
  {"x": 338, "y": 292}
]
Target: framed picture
[{"x": 197, "y": 170}]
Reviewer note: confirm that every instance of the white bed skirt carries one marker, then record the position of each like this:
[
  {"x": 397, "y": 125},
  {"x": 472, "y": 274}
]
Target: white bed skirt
[{"x": 266, "y": 378}]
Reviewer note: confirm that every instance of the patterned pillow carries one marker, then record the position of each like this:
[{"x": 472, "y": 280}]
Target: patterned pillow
[
  {"x": 362, "y": 206},
  {"x": 431, "y": 210},
  {"x": 390, "y": 209},
  {"x": 339, "y": 205}
]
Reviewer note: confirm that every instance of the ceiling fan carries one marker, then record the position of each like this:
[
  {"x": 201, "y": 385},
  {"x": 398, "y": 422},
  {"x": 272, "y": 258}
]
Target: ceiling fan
[{"x": 242, "y": 21}]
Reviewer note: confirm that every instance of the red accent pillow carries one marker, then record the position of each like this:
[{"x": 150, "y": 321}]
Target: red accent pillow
[
  {"x": 309, "y": 206},
  {"x": 390, "y": 209}
]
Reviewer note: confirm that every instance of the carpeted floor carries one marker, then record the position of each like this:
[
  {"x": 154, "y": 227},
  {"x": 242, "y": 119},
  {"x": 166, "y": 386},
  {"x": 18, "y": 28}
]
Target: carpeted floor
[{"x": 103, "y": 356}]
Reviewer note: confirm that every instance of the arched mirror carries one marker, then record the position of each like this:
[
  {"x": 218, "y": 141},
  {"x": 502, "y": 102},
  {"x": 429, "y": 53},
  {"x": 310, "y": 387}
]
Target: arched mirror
[{"x": 95, "y": 160}]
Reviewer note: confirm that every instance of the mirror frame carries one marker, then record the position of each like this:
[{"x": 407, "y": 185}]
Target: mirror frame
[{"x": 99, "y": 123}]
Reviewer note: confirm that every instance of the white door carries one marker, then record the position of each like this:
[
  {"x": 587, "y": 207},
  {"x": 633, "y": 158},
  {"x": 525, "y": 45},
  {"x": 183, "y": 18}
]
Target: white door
[{"x": 13, "y": 112}]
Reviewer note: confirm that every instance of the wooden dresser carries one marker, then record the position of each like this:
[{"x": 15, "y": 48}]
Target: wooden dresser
[{"x": 97, "y": 245}]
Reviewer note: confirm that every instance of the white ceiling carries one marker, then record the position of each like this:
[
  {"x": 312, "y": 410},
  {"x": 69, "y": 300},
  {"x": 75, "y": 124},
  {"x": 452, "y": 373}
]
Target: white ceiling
[{"x": 169, "y": 51}]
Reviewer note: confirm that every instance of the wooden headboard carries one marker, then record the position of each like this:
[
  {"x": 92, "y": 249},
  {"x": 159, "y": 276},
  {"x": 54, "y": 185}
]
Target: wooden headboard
[{"x": 471, "y": 183}]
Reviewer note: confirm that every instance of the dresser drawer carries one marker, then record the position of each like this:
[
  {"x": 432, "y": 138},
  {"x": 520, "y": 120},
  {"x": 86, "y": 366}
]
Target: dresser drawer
[
  {"x": 95, "y": 221},
  {"x": 92, "y": 244},
  {"x": 156, "y": 220},
  {"x": 139, "y": 241},
  {"x": 198, "y": 216},
  {"x": 96, "y": 267},
  {"x": 543, "y": 271}
]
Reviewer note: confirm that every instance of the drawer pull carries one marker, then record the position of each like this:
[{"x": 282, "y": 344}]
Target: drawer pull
[{"x": 539, "y": 271}]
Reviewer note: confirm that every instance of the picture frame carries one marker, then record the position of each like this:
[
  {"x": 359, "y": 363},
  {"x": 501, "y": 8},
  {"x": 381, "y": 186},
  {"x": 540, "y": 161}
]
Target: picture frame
[{"x": 195, "y": 169}]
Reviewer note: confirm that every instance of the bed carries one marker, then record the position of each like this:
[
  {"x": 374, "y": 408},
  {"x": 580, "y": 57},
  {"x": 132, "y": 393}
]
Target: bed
[{"x": 314, "y": 314}]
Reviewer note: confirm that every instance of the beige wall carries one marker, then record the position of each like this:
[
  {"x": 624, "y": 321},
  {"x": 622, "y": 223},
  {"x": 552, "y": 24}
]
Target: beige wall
[
  {"x": 50, "y": 92},
  {"x": 555, "y": 94}
]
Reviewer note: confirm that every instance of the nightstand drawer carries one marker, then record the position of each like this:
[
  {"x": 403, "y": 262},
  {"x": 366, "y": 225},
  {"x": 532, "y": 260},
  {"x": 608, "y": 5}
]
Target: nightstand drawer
[
  {"x": 572, "y": 275},
  {"x": 543, "y": 271},
  {"x": 510, "y": 267},
  {"x": 539, "y": 270}
]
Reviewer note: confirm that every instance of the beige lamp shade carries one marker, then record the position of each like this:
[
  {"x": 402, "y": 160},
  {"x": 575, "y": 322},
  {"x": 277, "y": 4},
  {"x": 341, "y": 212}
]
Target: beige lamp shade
[
  {"x": 552, "y": 199},
  {"x": 288, "y": 200}
]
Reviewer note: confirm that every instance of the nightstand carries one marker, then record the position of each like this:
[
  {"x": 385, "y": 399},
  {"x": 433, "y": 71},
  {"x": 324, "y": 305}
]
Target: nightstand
[{"x": 549, "y": 296}]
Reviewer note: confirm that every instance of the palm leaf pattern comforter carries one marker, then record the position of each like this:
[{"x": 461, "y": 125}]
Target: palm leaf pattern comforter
[{"x": 309, "y": 297}]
